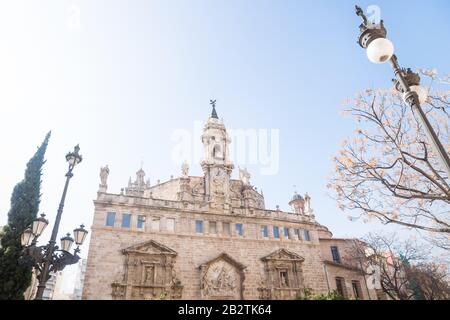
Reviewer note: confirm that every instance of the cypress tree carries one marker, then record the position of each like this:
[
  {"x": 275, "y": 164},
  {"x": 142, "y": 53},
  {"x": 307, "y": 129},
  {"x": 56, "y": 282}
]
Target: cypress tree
[{"x": 25, "y": 199}]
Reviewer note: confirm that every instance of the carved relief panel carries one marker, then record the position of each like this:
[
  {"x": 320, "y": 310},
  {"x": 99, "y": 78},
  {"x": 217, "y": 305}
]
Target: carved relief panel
[
  {"x": 148, "y": 273},
  {"x": 222, "y": 278}
]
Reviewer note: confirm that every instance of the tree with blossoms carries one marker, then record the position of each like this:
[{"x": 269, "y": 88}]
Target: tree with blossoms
[{"x": 389, "y": 171}]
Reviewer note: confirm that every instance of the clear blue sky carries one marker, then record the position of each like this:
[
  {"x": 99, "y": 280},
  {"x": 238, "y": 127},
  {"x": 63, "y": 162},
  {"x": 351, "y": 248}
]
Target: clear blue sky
[{"x": 135, "y": 71}]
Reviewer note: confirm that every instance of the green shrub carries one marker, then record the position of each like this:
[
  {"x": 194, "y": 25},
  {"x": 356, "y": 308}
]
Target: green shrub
[{"x": 308, "y": 295}]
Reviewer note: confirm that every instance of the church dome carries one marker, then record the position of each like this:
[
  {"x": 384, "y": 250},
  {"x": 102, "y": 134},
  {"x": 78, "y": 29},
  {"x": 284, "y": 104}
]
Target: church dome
[{"x": 297, "y": 197}]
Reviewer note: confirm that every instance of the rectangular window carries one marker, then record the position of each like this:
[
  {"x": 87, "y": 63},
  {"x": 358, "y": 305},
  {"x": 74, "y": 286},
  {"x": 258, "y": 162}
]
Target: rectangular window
[
  {"x": 110, "y": 218},
  {"x": 340, "y": 286},
  {"x": 286, "y": 232},
  {"x": 239, "y": 229},
  {"x": 335, "y": 254},
  {"x": 264, "y": 231},
  {"x": 156, "y": 224},
  {"x": 297, "y": 234},
  {"x": 356, "y": 289},
  {"x": 276, "y": 232},
  {"x": 307, "y": 237},
  {"x": 140, "y": 222},
  {"x": 213, "y": 227},
  {"x": 126, "y": 220},
  {"x": 170, "y": 224},
  {"x": 198, "y": 226},
  {"x": 226, "y": 228}
]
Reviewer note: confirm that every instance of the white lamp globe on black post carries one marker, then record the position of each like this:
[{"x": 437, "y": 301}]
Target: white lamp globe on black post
[
  {"x": 422, "y": 93},
  {"x": 372, "y": 37},
  {"x": 380, "y": 50},
  {"x": 412, "y": 79}
]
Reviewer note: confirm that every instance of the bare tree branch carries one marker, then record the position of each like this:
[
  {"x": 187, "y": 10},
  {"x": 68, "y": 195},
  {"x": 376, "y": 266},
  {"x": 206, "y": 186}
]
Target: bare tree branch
[{"x": 388, "y": 170}]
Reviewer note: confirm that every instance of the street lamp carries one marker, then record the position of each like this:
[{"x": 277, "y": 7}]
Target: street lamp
[
  {"x": 27, "y": 237},
  {"x": 66, "y": 242},
  {"x": 39, "y": 225},
  {"x": 413, "y": 81},
  {"x": 80, "y": 234},
  {"x": 380, "y": 50},
  {"x": 74, "y": 158},
  {"x": 49, "y": 258}
]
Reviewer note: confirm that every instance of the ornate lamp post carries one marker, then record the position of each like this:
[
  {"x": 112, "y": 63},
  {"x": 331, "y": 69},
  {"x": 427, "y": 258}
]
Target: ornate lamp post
[
  {"x": 49, "y": 258},
  {"x": 380, "y": 50}
]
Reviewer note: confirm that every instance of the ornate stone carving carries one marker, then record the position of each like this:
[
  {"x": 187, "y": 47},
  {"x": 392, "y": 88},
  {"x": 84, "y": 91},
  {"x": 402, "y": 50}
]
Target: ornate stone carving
[
  {"x": 252, "y": 199},
  {"x": 235, "y": 189},
  {"x": 222, "y": 278},
  {"x": 185, "y": 193},
  {"x": 140, "y": 178},
  {"x": 198, "y": 189},
  {"x": 118, "y": 291},
  {"x": 244, "y": 176},
  {"x": 148, "y": 273},
  {"x": 137, "y": 187},
  {"x": 284, "y": 277}
]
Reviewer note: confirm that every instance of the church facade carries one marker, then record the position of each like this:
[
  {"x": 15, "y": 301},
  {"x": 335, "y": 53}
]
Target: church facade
[{"x": 211, "y": 237}]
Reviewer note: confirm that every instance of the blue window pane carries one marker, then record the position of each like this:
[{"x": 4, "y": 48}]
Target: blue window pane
[
  {"x": 297, "y": 233},
  {"x": 286, "y": 232},
  {"x": 140, "y": 222},
  {"x": 239, "y": 229},
  {"x": 126, "y": 220},
  {"x": 307, "y": 237},
  {"x": 199, "y": 226},
  {"x": 110, "y": 218},
  {"x": 335, "y": 254},
  {"x": 265, "y": 231},
  {"x": 276, "y": 233}
]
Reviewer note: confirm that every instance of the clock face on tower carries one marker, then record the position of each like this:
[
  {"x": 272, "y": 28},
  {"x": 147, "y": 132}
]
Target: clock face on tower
[{"x": 218, "y": 175}]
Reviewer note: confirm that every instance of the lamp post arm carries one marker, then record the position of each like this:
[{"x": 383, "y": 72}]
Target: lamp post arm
[
  {"x": 64, "y": 259},
  {"x": 398, "y": 74},
  {"x": 412, "y": 100}
]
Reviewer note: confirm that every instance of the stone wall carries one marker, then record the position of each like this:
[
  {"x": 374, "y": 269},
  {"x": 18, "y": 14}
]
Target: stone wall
[
  {"x": 106, "y": 260},
  {"x": 348, "y": 269}
]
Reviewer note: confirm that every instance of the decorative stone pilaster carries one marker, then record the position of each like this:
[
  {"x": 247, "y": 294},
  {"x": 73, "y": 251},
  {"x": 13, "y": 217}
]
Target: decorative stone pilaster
[{"x": 185, "y": 193}]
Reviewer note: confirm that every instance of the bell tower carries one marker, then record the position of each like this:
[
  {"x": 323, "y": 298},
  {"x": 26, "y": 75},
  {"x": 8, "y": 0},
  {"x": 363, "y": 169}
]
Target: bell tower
[{"x": 216, "y": 163}]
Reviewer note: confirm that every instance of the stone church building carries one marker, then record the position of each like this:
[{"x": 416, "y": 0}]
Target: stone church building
[{"x": 211, "y": 237}]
